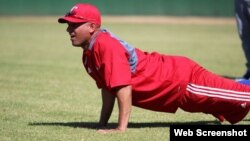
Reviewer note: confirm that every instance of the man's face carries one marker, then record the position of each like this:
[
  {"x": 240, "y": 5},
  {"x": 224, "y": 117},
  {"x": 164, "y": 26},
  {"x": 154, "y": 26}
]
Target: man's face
[{"x": 80, "y": 33}]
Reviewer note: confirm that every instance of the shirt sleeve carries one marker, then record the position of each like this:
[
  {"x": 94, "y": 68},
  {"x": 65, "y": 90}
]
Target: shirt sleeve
[{"x": 113, "y": 63}]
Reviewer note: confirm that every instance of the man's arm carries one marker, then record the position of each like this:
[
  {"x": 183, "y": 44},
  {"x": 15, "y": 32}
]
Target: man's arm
[
  {"x": 124, "y": 97},
  {"x": 108, "y": 101}
]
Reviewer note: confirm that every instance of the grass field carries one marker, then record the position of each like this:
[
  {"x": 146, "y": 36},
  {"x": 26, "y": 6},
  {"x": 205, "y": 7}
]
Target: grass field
[{"x": 45, "y": 94}]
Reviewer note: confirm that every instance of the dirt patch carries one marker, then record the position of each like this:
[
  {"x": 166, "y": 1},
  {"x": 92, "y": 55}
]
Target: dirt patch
[{"x": 167, "y": 20}]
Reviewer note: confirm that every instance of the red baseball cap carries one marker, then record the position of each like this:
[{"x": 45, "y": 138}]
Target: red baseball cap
[{"x": 81, "y": 13}]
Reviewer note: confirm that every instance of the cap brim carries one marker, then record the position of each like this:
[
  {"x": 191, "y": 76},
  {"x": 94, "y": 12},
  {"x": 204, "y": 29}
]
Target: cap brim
[{"x": 71, "y": 20}]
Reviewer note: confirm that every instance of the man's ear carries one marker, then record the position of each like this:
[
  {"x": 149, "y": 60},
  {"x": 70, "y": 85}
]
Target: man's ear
[{"x": 93, "y": 27}]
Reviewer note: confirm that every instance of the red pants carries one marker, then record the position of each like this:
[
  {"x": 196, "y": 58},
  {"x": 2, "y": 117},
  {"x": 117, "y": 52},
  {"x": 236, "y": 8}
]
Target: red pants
[{"x": 212, "y": 94}]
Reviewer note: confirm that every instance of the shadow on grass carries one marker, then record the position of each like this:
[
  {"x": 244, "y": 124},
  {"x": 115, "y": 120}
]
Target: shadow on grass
[{"x": 94, "y": 125}]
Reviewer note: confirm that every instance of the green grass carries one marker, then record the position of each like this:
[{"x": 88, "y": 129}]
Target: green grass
[{"x": 45, "y": 94}]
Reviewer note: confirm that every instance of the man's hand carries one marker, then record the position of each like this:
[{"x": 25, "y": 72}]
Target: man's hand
[{"x": 108, "y": 131}]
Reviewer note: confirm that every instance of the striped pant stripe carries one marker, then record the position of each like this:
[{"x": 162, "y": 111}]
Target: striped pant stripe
[{"x": 218, "y": 93}]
